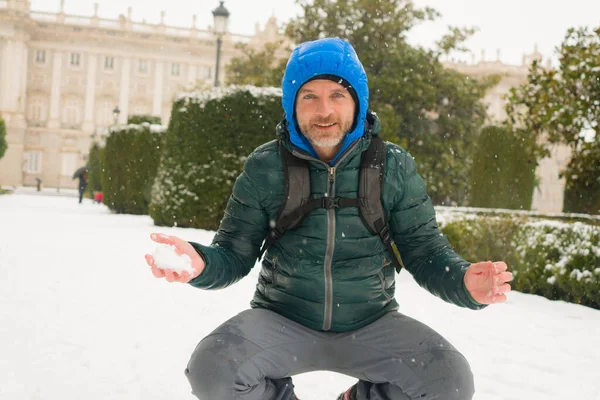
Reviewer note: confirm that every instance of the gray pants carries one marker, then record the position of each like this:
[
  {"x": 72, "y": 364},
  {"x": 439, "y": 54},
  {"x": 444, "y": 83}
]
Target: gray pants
[{"x": 254, "y": 354}]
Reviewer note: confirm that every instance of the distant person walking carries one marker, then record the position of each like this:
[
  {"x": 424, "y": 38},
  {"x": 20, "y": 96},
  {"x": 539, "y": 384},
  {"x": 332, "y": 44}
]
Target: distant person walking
[
  {"x": 83, "y": 182},
  {"x": 81, "y": 174}
]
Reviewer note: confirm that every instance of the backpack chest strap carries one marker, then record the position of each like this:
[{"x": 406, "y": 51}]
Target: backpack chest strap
[{"x": 297, "y": 202}]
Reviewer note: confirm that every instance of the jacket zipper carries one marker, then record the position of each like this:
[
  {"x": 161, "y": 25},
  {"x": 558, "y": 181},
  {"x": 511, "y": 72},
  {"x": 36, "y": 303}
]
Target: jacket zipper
[
  {"x": 328, "y": 306},
  {"x": 327, "y": 316}
]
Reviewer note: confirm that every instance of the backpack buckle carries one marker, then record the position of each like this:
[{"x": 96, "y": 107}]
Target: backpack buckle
[
  {"x": 384, "y": 234},
  {"x": 276, "y": 232},
  {"x": 330, "y": 202}
]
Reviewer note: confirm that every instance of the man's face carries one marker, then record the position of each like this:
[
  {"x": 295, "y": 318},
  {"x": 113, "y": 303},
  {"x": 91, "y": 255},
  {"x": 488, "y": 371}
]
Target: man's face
[{"x": 325, "y": 112}]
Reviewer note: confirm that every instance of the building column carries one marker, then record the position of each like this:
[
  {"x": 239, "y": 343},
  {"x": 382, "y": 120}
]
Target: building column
[
  {"x": 11, "y": 79},
  {"x": 90, "y": 94},
  {"x": 124, "y": 93},
  {"x": 23, "y": 88},
  {"x": 14, "y": 78},
  {"x": 4, "y": 75},
  {"x": 159, "y": 73},
  {"x": 54, "y": 117},
  {"x": 192, "y": 74},
  {"x": 548, "y": 197}
]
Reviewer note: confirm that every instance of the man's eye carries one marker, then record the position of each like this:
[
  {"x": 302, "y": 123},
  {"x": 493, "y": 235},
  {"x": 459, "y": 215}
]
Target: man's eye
[
  {"x": 309, "y": 96},
  {"x": 338, "y": 95}
]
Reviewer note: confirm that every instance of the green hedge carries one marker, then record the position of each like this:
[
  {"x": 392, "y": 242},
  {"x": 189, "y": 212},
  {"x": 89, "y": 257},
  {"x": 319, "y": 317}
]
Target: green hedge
[
  {"x": 503, "y": 171},
  {"x": 209, "y": 137},
  {"x": 582, "y": 191},
  {"x": 141, "y": 118},
  {"x": 554, "y": 259},
  {"x": 94, "y": 165},
  {"x": 3, "y": 143},
  {"x": 129, "y": 162}
]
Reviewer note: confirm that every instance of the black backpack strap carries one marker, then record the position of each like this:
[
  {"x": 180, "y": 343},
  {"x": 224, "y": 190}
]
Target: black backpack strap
[
  {"x": 297, "y": 202},
  {"x": 371, "y": 210},
  {"x": 296, "y": 175}
]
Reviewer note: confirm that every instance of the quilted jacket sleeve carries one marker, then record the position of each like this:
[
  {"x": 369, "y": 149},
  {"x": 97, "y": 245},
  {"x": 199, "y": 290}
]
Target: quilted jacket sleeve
[
  {"x": 235, "y": 247},
  {"x": 425, "y": 251}
]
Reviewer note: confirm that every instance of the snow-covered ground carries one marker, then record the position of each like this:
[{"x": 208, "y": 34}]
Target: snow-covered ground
[{"x": 82, "y": 317}]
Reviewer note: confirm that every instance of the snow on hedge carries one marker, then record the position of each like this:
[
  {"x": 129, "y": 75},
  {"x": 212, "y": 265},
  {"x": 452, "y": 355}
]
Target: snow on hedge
[
  {"x": 201, "y": 97},
  {"x": 154, "y": 128}
]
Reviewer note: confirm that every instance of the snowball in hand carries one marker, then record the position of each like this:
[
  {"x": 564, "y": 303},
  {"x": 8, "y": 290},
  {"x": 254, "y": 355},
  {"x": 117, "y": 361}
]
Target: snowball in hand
[{"x": 165, "y": 257}]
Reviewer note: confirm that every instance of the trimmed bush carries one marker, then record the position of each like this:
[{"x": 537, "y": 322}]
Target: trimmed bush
[
  {"x": 3, "y": 143},
  {"x": 503, "y": 173},
  {"x": 129, "y": 162},
  {"x": 140, "y": 119},
  {"x": 95, "y": 168},
  {"x": 482, "y": 239},
  {"x": 554, "y": 259},
  {"x": 559, "y": 261},
  {"x": 582, "y": 192},
  {"x": 210, "y": 135}
]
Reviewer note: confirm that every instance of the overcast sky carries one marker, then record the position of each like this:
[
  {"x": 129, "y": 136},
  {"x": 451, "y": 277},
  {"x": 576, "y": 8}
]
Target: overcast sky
[{"x": 513, "y": 26}]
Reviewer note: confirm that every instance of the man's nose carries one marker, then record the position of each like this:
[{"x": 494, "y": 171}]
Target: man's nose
[{"x": 324, "y": 108}]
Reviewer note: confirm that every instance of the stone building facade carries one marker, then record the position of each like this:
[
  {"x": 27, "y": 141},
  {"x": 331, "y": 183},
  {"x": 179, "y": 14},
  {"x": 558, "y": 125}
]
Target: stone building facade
[{"x": 61, "y": 77}]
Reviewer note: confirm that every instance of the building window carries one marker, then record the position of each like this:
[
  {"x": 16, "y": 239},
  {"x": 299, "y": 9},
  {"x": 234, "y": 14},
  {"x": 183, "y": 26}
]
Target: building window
[
  {"x": 143, "y": 67},
  {"x": 175, "y": 69},
  {"x": 40, "y": 56},
  {"x": 71, "y": 113},
  {"x": 109, "y": 63},
  {"x": 69, "y": 163},
  {"x": 104, "y": 115},
  {"x": 206, "y": 72},
  {"x": 139, "y": 109},
  {"x": 75, "y": 58},
  {"x": 32, "y": 162},
  {"x": 37, "y": 110}
]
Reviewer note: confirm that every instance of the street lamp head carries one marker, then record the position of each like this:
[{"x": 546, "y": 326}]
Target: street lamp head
[
  {"x": 116, "y": 113},
  {"x": 220, "y": 16}
]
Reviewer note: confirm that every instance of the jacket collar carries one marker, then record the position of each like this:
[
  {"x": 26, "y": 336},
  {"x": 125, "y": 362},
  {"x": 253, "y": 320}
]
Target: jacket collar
[{"x": 372, "y": 128}]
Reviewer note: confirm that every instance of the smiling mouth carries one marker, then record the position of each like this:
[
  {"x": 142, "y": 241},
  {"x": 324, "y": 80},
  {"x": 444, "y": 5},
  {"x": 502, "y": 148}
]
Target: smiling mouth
[{"x": 325, "y": 126}]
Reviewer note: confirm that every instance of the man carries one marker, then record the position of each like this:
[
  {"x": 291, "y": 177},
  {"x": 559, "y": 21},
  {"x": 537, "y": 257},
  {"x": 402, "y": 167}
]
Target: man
[
  {"x": 325, "y": 295},
  {"x": 83, "y": 182}
]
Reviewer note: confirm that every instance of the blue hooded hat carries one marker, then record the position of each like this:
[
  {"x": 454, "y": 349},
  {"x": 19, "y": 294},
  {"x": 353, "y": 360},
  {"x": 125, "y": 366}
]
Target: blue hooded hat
[{"x": 329, "y": 57}]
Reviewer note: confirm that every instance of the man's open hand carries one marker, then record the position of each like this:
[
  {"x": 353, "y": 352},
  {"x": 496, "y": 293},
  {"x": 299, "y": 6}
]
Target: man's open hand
[
  {"x": 487, "y": 281},
  {"x": 181, "y": 247}
]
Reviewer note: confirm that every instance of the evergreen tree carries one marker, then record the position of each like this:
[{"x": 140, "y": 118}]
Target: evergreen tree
[
  {"x": 562, "y": 105},
  {"x": 582, "y": 192},
  {"x": 503, "y": 172},
  {"x": 257, "y": 68}
]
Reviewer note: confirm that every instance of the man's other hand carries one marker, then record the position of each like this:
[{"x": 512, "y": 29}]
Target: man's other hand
[{"x": 487, "y": 281}]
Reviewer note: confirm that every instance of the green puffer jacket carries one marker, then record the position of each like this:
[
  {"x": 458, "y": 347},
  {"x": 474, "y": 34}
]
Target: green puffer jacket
[{"x": 330, "y": 273}]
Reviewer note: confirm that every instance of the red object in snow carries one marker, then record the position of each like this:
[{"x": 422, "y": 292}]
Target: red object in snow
[{"x": 99, "y": 197}]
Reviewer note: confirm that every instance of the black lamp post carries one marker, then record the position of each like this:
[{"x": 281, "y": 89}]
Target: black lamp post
[
  {"x": 220, "y": 16},
  {"x": 116, "y": 113}
]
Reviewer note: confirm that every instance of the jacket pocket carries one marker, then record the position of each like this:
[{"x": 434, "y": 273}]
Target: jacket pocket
[
  {"x": 381, "y": 275},
  {"x": 273, "y": 272}
]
